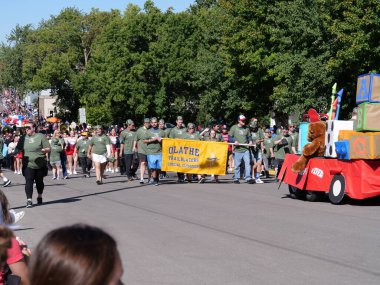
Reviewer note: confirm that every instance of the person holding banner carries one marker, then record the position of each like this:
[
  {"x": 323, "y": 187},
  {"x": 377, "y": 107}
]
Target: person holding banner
[
  {"x": 161, "y": 125},
  {"x": 213, "y": 137},
  {"x": 240, "y": 134},
  {"x": 154, "y": 150},
  {"x": 192, "y": 135},
  {"x": 178, "y": 132}
]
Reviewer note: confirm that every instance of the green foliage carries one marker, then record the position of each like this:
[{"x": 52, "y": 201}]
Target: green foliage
[{"x": 214, "y": 61}]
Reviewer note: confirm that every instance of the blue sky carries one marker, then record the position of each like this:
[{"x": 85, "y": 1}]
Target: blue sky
[{"x": 24, "y": 12}]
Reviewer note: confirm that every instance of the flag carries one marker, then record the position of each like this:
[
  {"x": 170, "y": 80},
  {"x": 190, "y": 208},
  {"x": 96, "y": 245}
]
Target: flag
[{"x": 195, "y": 157}]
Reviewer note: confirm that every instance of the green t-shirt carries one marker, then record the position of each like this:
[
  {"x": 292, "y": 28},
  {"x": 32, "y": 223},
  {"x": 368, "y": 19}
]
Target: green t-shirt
[
  {"x": 177, "y": 133},
  {"x": 82, "y": 147},
  {"x": 154, "y": 147},
  {"x": 127, "y": 139},
  {"x": 281, "y": 149},
  {"x": 194, "y": 137},
  {"x": 141, "y": 134},
  {"x": 295, "y": 140},
  {"x": 55, "y": 150},
  {"x": 268, "y": 143},
  {"x": 1, "y": 147},
  {"x": 241, "y": 135},
  {"x": 99, "y": 144},
  {"x": 34, "y": 158},
  {"x": 219, "y": 137}
]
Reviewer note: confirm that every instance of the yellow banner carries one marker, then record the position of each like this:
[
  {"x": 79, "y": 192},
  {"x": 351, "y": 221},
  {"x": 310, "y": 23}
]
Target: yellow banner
[{"x": 195, "y": 157}]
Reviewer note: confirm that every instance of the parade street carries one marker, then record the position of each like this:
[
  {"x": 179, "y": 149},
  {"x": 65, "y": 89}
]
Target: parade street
[{"x": 208, "y": 233}]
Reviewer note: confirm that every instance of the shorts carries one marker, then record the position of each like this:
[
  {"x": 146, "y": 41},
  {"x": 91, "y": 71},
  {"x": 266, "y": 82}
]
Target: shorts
[
  {"x": 256, "y": 156},
  {"x": 101, "y": 158},
  {"x": 143, "y": 157},
  {"x": 55, "y": 163},
  {"x": 154, "y": 161}
]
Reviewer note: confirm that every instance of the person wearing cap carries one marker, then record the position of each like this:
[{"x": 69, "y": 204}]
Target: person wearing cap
[
  {"x": 192, "y": 135},
  {"x": 82, "y": 149},
  {"x": 99, "y": 149},
  {"x": 142, "y": 148},
  {"x": 257, "y": 135},
  {"x": 154, "y": 149},
  {"x": 178, "y": 132},
  {"x": 127, "y": 150},
  {"x": 55, "y": 155},
  {"x": 35, "y": 147},
  {"x": 240, "y": 134}
]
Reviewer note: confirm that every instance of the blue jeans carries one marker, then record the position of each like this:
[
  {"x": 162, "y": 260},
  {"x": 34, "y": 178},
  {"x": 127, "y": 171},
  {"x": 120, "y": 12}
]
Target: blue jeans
[{"x": 238, "y": 157}]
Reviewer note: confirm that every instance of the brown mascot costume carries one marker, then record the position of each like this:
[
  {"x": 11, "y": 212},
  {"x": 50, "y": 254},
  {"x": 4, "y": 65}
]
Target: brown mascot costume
[{"x": 316, "y": 137}]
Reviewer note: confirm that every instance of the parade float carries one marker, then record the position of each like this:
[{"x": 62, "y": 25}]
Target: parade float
[{"x": 350, "y": 163}]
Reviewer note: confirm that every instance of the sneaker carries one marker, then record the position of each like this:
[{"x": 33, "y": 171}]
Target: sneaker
[
  {"x": 236, "y": 181},
  {"x": 251, "y": 181},
  {"x": 66, "y": 177},
  {"x": 151, "y": 182},
  {"x": 117, "y": 170},
  {"x": 19, "y": 172},
  {"x": 7, "y": 183},
  {"x": 87, "y": 175},
  {"x": 54, "y": 178},
  {"x": 99, "y": 182},
  {"x": 75, "y": 172},
  {"x": 15, "y": 171},
  {"x": 113, "y": 171},
  {"x": 39, "y": 200},
  {"x": 142, "y": 181},
  {"x": 259, "y": 181},
  {"x": 156, "y": 183},
  {"x": 69, "y": 173},
  {"x": 202, "y": 180},
  {"x": 29, "y": 203},
  {"x": 18, "y": 216}
]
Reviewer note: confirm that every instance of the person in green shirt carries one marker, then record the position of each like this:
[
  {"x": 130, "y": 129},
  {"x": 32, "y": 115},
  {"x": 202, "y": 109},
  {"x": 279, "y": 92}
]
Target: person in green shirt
[
  {"x": 154, "y": 149},
  {"x": 282, "y": 144},
  {"x": 35, "y": 147},
  {"x": 216, "y": 128},
  {"x": 267, "y": 149},
  {"x": 142, "y": 149},
  {"x": 240, "y": 134},
  {"x": 257, "y": 135},
  {"x": 192, "y": 135},
  {"x": 6, "y": 181},
  {"x": 98, "y": 150},
  {"x": 294, "y": 134},
  {"x": 162, "y": 126},
  {"x": 178, "y": 132},
  {"x": 55, "y": 155},
  {"x": 128, "y": 150},
  {"x": 81, "y": 149}
]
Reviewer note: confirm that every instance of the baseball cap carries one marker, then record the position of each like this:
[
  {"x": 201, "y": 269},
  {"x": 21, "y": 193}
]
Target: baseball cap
[
  {"x": 146, "y": 120},
  {"x": 190, "y": 125},
  {"x": 224, "y": 127},
  {"x": 154, "y": 119},
  {"x": 241, "y": 118},
  {"x": 179, "y": 118},
  {"x": 130, "y": 122},
  {"x": 161, "y": 121}
]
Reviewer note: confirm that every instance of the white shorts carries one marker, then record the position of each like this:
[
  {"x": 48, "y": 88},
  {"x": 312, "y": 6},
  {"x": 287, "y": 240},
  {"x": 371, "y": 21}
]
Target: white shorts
[{"x": 99, "y": 158}]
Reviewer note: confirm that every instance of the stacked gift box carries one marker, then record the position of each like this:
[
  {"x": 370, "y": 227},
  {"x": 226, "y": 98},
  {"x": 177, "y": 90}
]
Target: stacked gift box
[{"x": 364, "y": 142}]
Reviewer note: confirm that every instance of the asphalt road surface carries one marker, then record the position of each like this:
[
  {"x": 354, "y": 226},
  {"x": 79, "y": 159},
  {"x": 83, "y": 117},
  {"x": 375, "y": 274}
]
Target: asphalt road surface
[{"x": 214, "y": 233}]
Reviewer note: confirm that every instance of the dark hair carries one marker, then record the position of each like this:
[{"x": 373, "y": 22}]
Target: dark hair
[
  {"x": 5, "y": 243},
  {"x": 77, "y": 255},
  {"x": 4, "y": 208}
]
